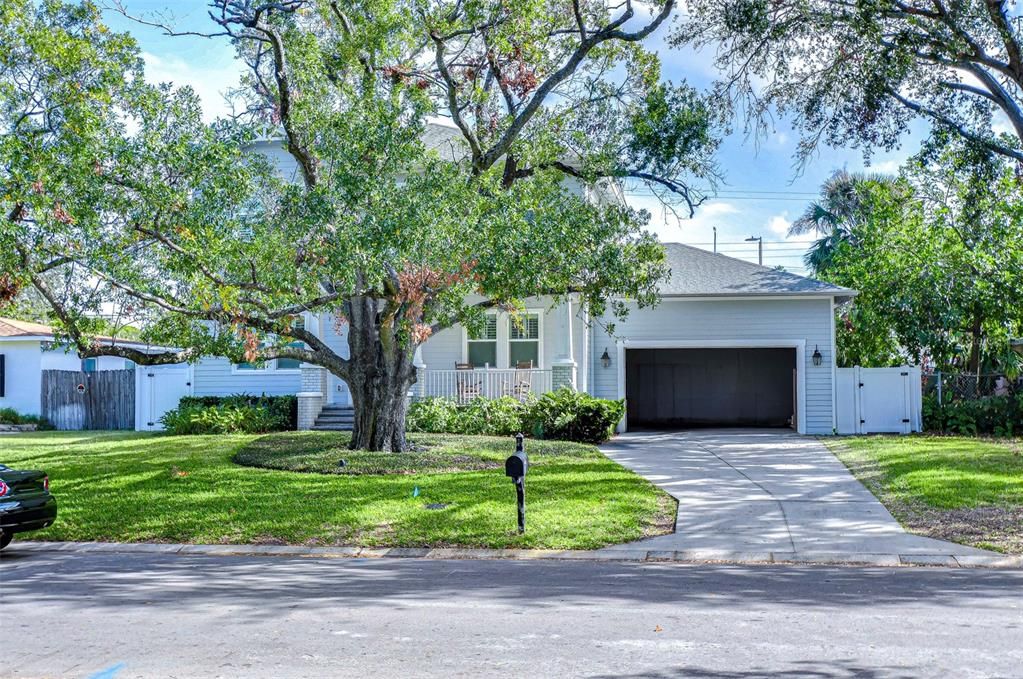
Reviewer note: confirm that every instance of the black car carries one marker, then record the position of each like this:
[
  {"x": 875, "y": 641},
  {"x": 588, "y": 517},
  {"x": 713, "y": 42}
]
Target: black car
[{"x": 25, "y": 502}]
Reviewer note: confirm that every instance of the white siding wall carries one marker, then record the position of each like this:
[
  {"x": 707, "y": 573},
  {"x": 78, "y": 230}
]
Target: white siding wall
[
  {"x": 23, "y": 381},
  {"x": 60, "y": 358},
  {"x": 718, "y": 320},
  {"x": 213, "y": 376}
]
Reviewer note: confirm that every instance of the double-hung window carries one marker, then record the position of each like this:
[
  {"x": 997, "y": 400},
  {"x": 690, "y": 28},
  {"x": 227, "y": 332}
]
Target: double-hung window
[
  {"x": 524, "y": 340},
  {"x": 507, "y": 341},
  {"x": 482, "y": 350}
]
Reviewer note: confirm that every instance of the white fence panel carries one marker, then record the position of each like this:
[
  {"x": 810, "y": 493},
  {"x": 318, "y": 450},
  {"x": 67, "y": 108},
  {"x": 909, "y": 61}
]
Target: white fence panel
[
  {"x": 157, "y": 390},
  {"x": 878, "y": 400}
]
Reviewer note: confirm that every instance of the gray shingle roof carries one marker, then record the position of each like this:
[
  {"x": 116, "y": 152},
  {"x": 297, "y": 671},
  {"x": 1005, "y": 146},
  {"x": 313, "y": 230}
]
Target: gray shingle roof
[{"x": 698, "y": 273}]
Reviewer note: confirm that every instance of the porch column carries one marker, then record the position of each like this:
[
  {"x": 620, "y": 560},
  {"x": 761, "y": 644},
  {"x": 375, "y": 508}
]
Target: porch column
[
  {"x": 564, "y": 367},
  {"x": 313, "y": 395},
  {"x": 419, "y": 390}
]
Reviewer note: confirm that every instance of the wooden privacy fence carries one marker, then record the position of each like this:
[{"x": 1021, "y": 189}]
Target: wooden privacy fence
[{"x": 104, "y": 399}]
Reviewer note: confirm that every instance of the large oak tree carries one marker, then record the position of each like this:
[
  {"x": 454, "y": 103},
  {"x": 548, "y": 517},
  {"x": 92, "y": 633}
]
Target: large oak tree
[{"x": 117, "y": 191}]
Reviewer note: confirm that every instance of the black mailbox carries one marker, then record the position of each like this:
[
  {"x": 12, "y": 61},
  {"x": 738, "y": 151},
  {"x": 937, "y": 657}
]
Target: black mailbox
[{"x": 517, "y": 464}]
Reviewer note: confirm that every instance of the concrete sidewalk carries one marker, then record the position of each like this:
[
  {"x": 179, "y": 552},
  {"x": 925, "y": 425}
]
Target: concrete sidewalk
[{"x": 768, "y": 491}]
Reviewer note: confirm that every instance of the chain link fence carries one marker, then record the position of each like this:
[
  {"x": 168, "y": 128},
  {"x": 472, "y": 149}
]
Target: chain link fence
[{"x": 967, "y": 387}]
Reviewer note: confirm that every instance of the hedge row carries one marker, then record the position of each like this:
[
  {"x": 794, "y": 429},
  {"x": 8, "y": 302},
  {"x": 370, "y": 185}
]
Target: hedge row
[
  {"x": 563, "y": 414},
  {"x": 240, "y": 413},
  {"x": 994, "y": 415}
]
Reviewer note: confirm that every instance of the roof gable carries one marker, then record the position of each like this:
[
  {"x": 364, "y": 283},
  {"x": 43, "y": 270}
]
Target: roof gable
[
  {"x": 698, "y": 273},
  {"x": 10, "y": 327}
]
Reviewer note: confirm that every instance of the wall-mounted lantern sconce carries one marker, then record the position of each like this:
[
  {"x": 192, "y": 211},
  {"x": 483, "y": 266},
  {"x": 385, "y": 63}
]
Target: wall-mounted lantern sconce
[
  {"x": 605, "y": 360},
  {"x": 817, "y": 358}
]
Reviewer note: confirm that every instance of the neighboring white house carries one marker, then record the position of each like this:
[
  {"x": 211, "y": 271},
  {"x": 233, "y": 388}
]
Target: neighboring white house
[{"x": 26, "y": 350}]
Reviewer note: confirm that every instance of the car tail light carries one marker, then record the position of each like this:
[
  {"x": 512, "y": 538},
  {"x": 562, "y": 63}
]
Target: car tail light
[
  {"x": 4, "y": 489},
  {"x": 46, "y": 483}
]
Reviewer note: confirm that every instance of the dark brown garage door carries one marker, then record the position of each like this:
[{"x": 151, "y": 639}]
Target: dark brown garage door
[{"x": 710, "y": 387}]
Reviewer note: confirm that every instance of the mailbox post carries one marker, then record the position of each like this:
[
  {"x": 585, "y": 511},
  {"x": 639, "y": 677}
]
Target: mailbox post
[{"x": 515, "y": 468}]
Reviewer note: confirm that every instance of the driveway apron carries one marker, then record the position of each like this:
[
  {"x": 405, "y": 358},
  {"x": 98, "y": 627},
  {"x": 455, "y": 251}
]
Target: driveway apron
[{"x": 764, "y": 490}]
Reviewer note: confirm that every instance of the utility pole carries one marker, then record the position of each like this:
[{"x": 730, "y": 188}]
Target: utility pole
[
  {"x": 760, "y": 247},
  {"x": 715, "y": 240}
]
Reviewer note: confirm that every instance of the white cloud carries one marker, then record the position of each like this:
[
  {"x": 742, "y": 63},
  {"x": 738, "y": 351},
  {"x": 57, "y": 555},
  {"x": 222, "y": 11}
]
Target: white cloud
[
  {"x": 890, "y": 166},
  {"x": 680, "y": 228},
  {"x": 209, "y": 81},
  {"x": 779, "y": 225}
]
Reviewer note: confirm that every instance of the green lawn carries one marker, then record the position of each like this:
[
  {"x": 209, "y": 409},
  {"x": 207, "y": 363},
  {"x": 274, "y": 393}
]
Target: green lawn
[
  {"x": 138, "y": 487},
  {"x": 956, "y": 488}
]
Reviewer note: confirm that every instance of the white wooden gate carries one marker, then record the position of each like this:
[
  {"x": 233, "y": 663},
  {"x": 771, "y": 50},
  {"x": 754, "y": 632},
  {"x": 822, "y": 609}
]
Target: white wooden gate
[
  {"x": 878, "y": 400},
  {"x": 157, "y": 390}
]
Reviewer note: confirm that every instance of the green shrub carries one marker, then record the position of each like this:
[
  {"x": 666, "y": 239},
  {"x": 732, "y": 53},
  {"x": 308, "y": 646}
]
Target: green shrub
[
  {"x": 994, "y": 415},
  {"x": 573, "y": 416},
  {"x": 489, "y": 416},
  {"x": 281, "y": 407},
  {"x": 240, "y": 413},
  {"x": 564, "y": 414},
  {"x": 12, "y": 416},
  {"x": 432, "y": 415}
]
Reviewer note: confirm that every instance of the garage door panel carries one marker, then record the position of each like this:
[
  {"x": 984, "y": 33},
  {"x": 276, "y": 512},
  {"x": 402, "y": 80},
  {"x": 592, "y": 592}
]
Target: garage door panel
[{"x": 710, "y": 387}]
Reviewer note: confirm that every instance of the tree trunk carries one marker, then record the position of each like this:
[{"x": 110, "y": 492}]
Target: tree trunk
[
  {"x": 381, "y": 373},
  {"x": 976, "y": 339}
]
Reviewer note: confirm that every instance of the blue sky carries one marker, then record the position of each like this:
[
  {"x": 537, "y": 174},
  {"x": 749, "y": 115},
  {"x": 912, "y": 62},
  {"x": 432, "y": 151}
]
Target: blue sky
[{"x": 762, "y": 193}]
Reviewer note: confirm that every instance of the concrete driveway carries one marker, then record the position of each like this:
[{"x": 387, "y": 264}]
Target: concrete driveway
[{"x": 764, "y": 490}]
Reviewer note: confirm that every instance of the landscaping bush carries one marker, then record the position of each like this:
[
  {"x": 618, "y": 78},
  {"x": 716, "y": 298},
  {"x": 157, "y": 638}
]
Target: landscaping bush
[
  {"x": 573, "y": 416},
  {"x": 433, "y": 415},
  {"x": 564, "y": 414},
  {"x": 489, "y": 416},
  {"x": 994, "y": 415},
  {"x": 239, "y": 413},
  {"x": 12, "y": 416}
]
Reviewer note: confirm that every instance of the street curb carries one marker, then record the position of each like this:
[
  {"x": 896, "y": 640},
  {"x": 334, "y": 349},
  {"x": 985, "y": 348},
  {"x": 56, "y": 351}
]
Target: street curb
[{"x": 610, "y": 555}]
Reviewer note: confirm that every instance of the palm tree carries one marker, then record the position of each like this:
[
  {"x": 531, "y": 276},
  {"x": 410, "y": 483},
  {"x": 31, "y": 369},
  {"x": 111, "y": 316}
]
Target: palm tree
[{"x": 834, "y": 216}]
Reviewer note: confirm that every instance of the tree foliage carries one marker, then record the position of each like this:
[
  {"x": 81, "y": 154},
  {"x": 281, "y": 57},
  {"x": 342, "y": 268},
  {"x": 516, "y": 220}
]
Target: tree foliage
[
  {"x": 856, "y": 73},
  {"x": 938, "y": 260},
  {"x": 393, "y": 226}
]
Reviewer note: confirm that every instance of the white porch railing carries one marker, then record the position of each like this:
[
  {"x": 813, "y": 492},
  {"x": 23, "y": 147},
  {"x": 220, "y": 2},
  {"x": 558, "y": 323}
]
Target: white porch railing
[{"x": 465, "y": 385}]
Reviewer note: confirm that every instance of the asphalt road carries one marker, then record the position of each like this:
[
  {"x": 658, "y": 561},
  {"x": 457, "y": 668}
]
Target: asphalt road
[{"x": 152, "y": 615}]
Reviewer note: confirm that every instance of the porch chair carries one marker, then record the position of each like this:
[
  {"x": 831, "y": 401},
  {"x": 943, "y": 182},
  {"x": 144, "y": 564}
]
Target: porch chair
[
  {"x": 467, "y": 387},
  {"x": 523, "y": 384}
]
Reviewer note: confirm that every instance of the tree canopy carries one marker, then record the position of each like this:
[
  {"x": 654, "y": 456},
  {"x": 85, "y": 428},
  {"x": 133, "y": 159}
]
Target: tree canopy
[
  {"x": 116, "y": 194},
  {"x": 938, "y": 259},
  {"x": 857, "y": 73}
]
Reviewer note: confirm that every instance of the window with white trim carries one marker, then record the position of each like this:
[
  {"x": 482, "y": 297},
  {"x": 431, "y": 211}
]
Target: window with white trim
[
  {"x": 482, "y": 350},
  {"x": 524, "y": 340}
]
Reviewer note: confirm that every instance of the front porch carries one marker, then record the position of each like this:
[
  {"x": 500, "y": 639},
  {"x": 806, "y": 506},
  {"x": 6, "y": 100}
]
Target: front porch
[
  {"x": 459, "y": 385},
  {"x": 463, "y": 385},
  {"x": 456, "y": 365}
]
